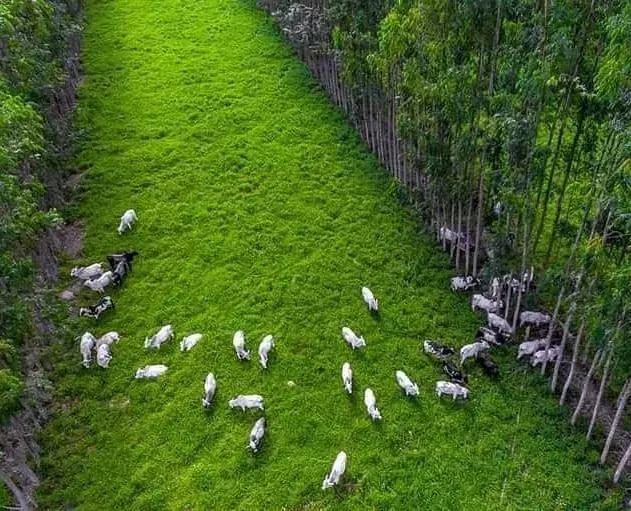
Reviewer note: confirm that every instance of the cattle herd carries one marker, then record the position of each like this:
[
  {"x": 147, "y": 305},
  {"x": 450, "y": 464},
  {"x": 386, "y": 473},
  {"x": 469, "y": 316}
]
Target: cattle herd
[{"x": 498, "y": 332}]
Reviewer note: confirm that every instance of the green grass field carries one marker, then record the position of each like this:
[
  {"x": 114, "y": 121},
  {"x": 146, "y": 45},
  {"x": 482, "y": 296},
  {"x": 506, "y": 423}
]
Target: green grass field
[{"x": 259, "y": 209}]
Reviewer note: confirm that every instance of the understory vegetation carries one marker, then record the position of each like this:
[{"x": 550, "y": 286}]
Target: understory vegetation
[{"x": 260, "y": 209}]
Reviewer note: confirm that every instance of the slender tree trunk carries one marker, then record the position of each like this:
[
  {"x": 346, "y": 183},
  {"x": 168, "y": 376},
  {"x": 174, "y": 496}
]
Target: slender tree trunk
[
  {"x": 478, "y": 228},
  {"x": 622, "y": 403},
  {"x": 581, "y": 400},
  {"x": 601, "y": 390},
  {"x": 459, "y": 231},
  {"x": 561, "y": 352},
  {"x": 570, "y": 376},
  {"x": 551, "y": 327},
  {"x": 622, "y": 464}
]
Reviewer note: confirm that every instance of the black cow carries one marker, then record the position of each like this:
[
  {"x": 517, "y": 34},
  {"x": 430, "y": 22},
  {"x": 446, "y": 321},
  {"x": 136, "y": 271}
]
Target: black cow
[
  {"x": 488, "y": 365},
  {"x": 114, "y": 259},
  {"x": 95, "y": 311},
  {"x": 455, "y": 374}
]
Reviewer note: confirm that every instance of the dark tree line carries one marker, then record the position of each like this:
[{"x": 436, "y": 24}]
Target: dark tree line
[{"x": 509, "y": 122}]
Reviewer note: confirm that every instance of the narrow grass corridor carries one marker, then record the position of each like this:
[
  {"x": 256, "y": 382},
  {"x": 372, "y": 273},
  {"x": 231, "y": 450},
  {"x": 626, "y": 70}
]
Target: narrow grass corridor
[{"x": 260, "y": 210}]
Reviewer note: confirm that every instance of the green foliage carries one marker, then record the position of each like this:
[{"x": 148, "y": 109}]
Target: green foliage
[
  {"x": 259, "y": 209},
  {"x": 32, "y": 39}
]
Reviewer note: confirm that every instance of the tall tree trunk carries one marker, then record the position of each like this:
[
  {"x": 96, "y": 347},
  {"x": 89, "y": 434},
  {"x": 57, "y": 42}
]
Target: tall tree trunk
[
  {"x": 581, "y": 400},
  {"x": 601, "y": 390},
  {"x": 622, "y": 464},
  {"x": 551, "y": 327},
  {"x": 622, "y": 403},
  {"x": 478, "y": 228},
  {"x": 570, "y": 376},
  {"x": 561, "y": 352}
]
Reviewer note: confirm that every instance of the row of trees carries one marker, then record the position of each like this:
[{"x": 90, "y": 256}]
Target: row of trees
[{"x": 510, "y": 122}]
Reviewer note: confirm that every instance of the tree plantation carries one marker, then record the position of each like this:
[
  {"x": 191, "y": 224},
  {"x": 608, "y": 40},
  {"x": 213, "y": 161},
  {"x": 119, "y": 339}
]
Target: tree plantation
[{"x": 329, "y": 254}]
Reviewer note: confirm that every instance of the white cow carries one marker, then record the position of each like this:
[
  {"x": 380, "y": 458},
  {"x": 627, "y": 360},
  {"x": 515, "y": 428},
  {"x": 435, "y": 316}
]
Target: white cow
[
  {"x": 452, "y": 389},
  {"x": 472, "y": 350},
  {"x": 109, "y": 338},
  {"x": 371, "y": 405},
  {"x": 87, "y": 272},
  {"x": 257, "y": 433},
  {"x": 482, "y": 302},
  {"x": 99, "y": 284},
  {"x": 463, "y": 283},
  {"x": 499, "y": 323},
  {"x": 337, "y": 471},
  {"x": 448, "y": 235},
  {"x": 189, "y": 341},
  {"x": 410, "y": 388},
  {"x": 127, "y": 220},
  {"x": 88, "y": 341},
  {"x": 164, "y": 334},
  {"x": 210, "y": 385},
  {"x": 369, "y": 298},
  {"x": 530, "y": 347},
  {"x": 347, "y": 377},
  {"x": 243, "y": 402},
  {"x": 352, "y": 339},
  {"x": 151, "y": 371},
  {"x": 264, "y": 348},
  {"x": 238, "y": 341},
  {"x": 534, "y": 318},
  {"x": 542, "y": 356},
  {"x": 103, "y": 356}
]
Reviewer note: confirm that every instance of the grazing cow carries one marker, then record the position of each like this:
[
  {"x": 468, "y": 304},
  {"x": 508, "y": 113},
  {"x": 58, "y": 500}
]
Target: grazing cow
[
  {"x": 257, "y": 434},
  {"x": 87, "y": 272},
  {"x": 95, "y": 311},
  {"x": 371, "y": 405},
  {"x": 99, "y": 284},
  {"x": 496, "y": 288},
  {"x": 472, "y": 350},
  {"x": 482, "y": 302},
  {"x": 347, "y": 377},
  {"x": 210, "y": 385},
  {"x": 369, "y": 298},
  {"x": 189, "y": 341},
  {"x": 499, "y": 323},
  {"x": 103, "y": 356},
  {"x": 121, "y": 269},
  {"x": 238, "y": 341},
  {"x": 410, "y": 388},
  {"x": 488, "y": 365},
  {"x": 437, "y": 350},
  {"x": 534, "y": 318},
  {"x": 464, "y": 283},
  {"x": 337, "y": 471},
  {"x": 109, "y": 338},
  {"x": 455, "y": 375},
  {"x": 542, "y": 356},
  {"x": 530, "y": 347},
  {"x": 352, "y": 339},
  {"x": 448, "y": 235},
  {"x": 491, "y": 336},
  {"x": 243, "y": 402},
  {"x": 164, "y": 334},
  {"x": 88, "y": 341},
  {"x": 151, "y": 371},
  {"x": 264, "y": 348},
  {"x": 453, "y": 389},
  {"x": 114, "y": 259},
  {"x": 127, "y": 220}
]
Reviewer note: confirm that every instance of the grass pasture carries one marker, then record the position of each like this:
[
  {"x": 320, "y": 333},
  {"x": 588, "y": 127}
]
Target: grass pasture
[{"x": 259, "y": 209}]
